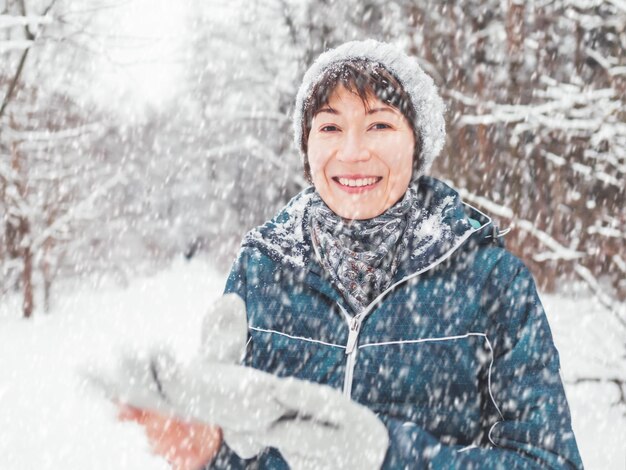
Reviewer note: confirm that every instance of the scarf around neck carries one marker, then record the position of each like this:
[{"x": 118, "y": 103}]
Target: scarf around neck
[{"x": 361, "y": 256}]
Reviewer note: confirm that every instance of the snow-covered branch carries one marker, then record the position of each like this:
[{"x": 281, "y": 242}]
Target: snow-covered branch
[
  {"x": 610, "y": 232},
  {"x": 50, "y": 136},
  {"x": 256, "y": 149},
  {"x": 584, "y": 170},
  {"x": 605, "y": 62},
  {"x": 620, "y": 70},
  {"x": 558, "y": 251},
  {"x": 80, "y": 210},
  {"x": 492, "y": 207},
  {"x": 10, "y": 21},
  {"x": 15, "y": 45},
  {"x": 619, "y": 4},
  {"x": 619, "y": 262},
  {"x": 544, "y": 113}
]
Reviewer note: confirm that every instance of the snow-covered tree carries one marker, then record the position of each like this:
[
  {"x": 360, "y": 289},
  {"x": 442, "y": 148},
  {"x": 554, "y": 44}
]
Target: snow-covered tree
[{"x": 53, "y": 171}]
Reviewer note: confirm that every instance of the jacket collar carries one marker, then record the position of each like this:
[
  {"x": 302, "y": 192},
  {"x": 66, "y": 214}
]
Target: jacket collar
[{"x": 286, "y": 238}]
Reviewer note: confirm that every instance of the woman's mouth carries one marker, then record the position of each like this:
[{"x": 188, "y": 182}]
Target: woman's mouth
[{"x": 357, "y": 183}]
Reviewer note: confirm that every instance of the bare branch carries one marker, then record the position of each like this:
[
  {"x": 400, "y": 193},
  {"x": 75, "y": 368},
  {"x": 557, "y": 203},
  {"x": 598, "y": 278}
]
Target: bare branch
[
  {"x": 558, "y": 251},
  {"x": 20, "y": 67},
  {"x": 13, "y": 83},
  {"x": 48, "y": 136},
  {"x": 27, "y": 32},
  {"x": 76, "y": 212},
  {"x": 256, "y": 149}
]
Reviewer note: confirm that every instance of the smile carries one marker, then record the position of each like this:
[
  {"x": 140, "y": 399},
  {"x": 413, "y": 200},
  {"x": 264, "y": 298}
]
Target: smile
[{"x": 359, "y": 183}]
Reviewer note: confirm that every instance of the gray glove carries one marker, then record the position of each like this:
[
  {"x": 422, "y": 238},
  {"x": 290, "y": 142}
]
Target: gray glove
[
  {"x": 225, "y": 331},
  {"x": 312, "y": 425}
]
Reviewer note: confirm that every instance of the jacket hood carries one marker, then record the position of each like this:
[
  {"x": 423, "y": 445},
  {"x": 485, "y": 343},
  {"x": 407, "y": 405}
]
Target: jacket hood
[
  {"x": 444, "y": 224},
  {"x": 427, "y": 104}
]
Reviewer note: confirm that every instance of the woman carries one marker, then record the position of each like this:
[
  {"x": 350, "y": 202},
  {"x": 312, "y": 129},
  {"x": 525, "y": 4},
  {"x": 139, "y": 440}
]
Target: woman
[{"x": 380, "y": 281}]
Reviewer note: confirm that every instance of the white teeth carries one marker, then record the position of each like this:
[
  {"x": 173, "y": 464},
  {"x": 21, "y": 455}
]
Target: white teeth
[{"x": 357, "y": 182}]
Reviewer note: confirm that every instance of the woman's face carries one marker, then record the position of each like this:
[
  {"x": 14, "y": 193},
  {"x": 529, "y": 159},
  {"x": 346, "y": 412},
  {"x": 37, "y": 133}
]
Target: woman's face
[{"x": 361, "y": 157}]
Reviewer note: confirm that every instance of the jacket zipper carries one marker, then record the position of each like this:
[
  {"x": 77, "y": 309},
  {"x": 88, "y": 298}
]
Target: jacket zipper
[
  {"x": 356, "y": 321},
  {"x": 351, "y": 351}
]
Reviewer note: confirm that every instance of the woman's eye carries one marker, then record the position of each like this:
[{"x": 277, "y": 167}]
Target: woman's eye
[
  {"x": 381, "y": 125},
  {"x": 329, "y": 128}
]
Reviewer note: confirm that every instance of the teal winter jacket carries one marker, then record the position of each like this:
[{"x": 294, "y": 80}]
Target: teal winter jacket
[{"x": 456, "y": 357}]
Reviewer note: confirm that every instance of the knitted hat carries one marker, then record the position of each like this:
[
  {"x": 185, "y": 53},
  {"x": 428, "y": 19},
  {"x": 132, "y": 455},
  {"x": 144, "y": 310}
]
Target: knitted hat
[{"x": 427, "y": 104}]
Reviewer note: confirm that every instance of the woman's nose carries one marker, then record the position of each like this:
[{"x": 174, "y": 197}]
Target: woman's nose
[{"x": 353, "y": 148}]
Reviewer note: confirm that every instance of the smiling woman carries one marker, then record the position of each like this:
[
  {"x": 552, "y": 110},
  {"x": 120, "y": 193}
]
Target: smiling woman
[
  {"x": 381, "y": 282},
  {"x": 360, "y": 153}
]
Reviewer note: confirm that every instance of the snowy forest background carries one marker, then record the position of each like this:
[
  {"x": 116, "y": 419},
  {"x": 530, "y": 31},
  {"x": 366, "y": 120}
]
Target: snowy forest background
[{"x": 133, "y": 133}]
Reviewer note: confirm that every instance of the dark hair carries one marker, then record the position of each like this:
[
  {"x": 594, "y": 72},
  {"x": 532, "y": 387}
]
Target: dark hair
[{"x": 366, "y": 79}]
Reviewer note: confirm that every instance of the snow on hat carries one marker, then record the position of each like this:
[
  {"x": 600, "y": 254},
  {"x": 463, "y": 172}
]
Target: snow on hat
[{"x": 427, "y": 104}]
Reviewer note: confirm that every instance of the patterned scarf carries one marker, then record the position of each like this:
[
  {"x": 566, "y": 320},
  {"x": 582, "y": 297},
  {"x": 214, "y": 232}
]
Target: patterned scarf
[{"x": 362, "y": 256}]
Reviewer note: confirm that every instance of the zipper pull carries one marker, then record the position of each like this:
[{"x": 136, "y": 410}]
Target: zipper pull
[{"x": 353, "y": 334}]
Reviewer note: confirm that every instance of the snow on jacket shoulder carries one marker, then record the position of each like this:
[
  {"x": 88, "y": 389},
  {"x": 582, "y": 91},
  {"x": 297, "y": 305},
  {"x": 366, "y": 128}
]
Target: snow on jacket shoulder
[{"x": 456, "y": 358}]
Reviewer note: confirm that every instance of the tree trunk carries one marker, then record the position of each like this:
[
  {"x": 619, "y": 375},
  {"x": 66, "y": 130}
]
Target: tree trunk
[
  {"x": 23, "y": 236},
  {"x": 48, "y": 271},
  {"x": 515, "y": 43},
  {"x": 47, "y": 287},
  {"x": 27, "y": 274}
]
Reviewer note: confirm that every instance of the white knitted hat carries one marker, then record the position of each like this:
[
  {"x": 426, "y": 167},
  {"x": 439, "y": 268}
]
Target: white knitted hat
[{"x": 427, "y": 104}]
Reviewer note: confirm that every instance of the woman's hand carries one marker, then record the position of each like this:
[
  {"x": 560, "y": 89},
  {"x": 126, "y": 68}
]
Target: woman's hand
[{"x": 186, "y": 445}]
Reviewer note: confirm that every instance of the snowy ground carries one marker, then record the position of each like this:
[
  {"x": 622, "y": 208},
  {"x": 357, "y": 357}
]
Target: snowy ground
[{"x": 49, "y": 420}]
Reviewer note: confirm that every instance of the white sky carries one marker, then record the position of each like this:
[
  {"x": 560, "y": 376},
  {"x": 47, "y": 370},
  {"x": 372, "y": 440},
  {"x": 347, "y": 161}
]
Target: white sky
[{"x": 143, "y": 67}]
